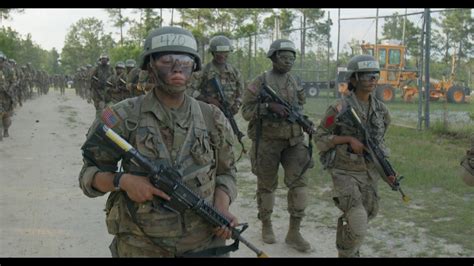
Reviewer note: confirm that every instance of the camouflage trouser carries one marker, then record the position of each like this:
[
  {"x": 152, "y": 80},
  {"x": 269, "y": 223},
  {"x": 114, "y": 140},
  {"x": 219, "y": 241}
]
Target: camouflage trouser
[
  {"x": 293, "y": 159},
  {"x": 355, "y": 195},
  {"x": 127, "y": 245}
]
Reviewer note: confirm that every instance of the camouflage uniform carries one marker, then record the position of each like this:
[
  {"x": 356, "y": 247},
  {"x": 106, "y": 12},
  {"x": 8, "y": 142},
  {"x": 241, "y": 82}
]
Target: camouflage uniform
[
  {"x": 354, "y": 177},
  {"x": 280, "y": 142},
  {"x": 196, "y": 140},
  {"x": 116, "y": 88},
  {"x": 467, "y": 163},
  {"x": 132, "y": 78},
  {"x": 99, "y": 96},
  {"x": 7, "y": 80},
  {"x": 229, "y": 77},
  {"x": 144, "y": 84}
]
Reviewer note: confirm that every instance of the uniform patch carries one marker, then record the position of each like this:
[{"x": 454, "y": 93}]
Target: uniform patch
[
  {"x": 110, "y": 118},
  {"x": 329, "y": 121}
]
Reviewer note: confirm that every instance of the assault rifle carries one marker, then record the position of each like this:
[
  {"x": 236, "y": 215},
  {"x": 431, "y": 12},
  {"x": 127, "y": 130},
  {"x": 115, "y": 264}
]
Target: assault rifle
[
  {"x": 294, "y": 116},
  {"x": 168, "y": 180},
  {"x": 268, "y": 94},
  {"x": 226, "y": 110},
  {"x": 375, "y": 154}
]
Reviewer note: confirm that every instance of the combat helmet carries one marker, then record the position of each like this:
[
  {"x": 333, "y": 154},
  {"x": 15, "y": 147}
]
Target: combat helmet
[
  {"x": 170, "y": 39},
  {"x": 3, "y": 56},
  {"x": 103, "y": 56},
  {"x": 281, "y": 45},
  {"x": 88, "y": 65},
  {"x": 220, "y": 43},
  {"x": 130, "y": 63},
  {"x": 120, "y": 64},
  {"x": 362, "y": 63}
]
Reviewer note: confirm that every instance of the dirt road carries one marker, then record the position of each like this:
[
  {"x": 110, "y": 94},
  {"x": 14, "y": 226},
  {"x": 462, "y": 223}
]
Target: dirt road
[{"x": 43, "y": 213}]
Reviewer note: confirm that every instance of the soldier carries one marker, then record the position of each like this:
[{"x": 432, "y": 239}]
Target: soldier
[
  {"x": 279, "y": 142},
  {"x": 116, "y": 88},
  {"x": 341, "y": 153},
  {"x": 229, "y": 77},
  {"x": 132, "y": 77},
  {"x": 144, "y": 85},
  {"x": 467, "y": 163},
  {"x": 7, "y": 81},
  {"x": 168, "y": 126},
  {"x": 99, "y": 76},
  {"x": 19, "y": 76}
]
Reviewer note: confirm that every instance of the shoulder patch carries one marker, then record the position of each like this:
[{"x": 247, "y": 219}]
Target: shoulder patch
[{"x": 110, "y": 118}]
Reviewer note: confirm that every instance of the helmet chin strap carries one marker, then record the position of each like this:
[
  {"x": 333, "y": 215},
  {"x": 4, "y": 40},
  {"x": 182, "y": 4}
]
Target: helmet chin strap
[{"x": 160, "y": 84}]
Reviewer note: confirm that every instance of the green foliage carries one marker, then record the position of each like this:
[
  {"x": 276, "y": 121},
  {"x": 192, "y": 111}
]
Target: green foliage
[
  {"x": 129, "y": 50},
  {"x": 393, "y": 29},
  {"x": 84, "y": 43},
  {"x": 23, "y": 50},
  {"x": 149, "y": 20}
]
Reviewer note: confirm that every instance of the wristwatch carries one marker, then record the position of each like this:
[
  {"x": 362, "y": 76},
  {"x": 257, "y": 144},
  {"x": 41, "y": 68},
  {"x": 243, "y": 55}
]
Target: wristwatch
[{"x": 117, "y": 177}]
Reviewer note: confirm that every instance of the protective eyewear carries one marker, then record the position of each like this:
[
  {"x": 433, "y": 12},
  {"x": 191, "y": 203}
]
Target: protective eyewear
[
  {"x": 286, "y": 58},
  {"x": 177, "y": 60},
  {"x": 368, "y": 76}
]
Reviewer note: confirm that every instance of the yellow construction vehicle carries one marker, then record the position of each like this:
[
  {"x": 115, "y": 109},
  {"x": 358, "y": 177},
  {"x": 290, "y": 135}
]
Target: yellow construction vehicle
[{"x": 394, "y": 74}]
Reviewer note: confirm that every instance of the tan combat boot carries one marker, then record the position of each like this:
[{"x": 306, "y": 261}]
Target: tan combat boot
[
  {"x": 267, "y": 232},
  {"x": 5, "y": 133},
  {"x": 294, "y": 238}
]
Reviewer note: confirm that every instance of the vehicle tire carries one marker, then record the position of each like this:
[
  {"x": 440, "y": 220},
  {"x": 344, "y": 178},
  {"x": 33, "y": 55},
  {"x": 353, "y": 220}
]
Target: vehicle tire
[
  {"x": 313, "y": 91},
  {"x": 385, "y": 93},
  {"x": 456, "y": 94}
]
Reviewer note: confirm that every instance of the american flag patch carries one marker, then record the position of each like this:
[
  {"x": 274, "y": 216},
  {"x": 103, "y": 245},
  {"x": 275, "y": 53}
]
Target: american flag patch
[{"x": 109, "y": 117}]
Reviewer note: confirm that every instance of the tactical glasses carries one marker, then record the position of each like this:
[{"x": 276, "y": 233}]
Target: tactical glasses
[
  {"x": 183, "y": 61},
  {"x": 368, "y": 76},
  {"x": 286, "y": 58}
]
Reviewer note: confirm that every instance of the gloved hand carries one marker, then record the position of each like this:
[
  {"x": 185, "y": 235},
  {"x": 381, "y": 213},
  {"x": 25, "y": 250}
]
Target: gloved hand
[{"x": 278, "y": 109}]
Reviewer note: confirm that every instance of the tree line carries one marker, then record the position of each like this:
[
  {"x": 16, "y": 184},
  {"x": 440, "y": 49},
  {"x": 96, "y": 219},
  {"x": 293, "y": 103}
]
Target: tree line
[{"x": 87, "y": 39}]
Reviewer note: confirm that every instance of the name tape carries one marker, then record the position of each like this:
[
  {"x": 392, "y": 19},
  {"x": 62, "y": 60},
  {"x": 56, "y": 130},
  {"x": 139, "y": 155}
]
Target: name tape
[{"x": 172, "y": 39}]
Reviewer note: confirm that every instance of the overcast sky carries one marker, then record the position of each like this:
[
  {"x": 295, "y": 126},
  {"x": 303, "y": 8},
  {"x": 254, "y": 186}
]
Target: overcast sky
[{"x": 49, "y": 27}]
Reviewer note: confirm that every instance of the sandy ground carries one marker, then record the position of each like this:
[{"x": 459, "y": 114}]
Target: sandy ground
[{"x": 43, "y": 212}]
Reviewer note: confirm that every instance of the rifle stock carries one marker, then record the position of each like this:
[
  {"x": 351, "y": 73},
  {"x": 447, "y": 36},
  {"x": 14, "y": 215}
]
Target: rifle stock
[{"x": 168, "y": 180}]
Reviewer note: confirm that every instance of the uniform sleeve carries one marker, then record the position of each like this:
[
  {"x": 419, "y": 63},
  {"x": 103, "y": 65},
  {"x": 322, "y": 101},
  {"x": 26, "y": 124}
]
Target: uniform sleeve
[
  {"x": 250, "y": 100},
  {"x": 325, "y": 130},
  {"x": 387, "y": 119},
  {"x": 226, "y": 171},
  {"x": 97, "y": 156}
]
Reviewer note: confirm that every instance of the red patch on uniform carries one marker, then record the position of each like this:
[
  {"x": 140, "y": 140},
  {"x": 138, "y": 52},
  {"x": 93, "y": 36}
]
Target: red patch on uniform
[{"x": 329, "y": 121}]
